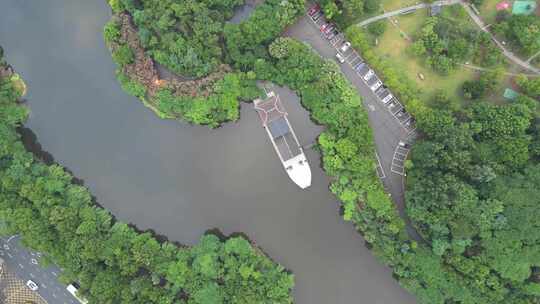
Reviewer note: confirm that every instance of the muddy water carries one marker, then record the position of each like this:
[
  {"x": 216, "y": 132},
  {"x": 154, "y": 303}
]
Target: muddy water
[{"x": 177, "y": 179}]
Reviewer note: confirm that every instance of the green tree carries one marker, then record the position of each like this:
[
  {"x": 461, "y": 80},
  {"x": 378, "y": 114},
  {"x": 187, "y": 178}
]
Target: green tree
[{"x": 123, "y": 55}]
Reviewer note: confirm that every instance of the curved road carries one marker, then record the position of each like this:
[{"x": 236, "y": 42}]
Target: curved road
[
  {"x": 405, "y": 9},
  {"x": 477, "y": 20},
  {"x": 506, "y": 52}
]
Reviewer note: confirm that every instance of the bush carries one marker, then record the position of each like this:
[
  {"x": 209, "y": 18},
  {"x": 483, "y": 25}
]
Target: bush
[
  {"x": 377, "y": 28},
  {"x": 475, "y": 89},
  {"x": 131, "y": 86},
  {"x": 111, "y": 31},
  {"x": 123, "y": 55}
]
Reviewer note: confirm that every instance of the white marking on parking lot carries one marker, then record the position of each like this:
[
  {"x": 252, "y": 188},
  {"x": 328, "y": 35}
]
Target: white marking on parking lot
[
  {"x": 398, "y": 161},
  {"x": 380, "y": 170},
  {"x": 21, "y": 266},
  {"x": 353, "y": 58}
]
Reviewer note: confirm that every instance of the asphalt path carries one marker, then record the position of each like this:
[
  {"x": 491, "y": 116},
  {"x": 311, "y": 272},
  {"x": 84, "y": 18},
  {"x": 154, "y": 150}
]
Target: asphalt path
[
  {"x": 25, "y": 265},
  {"x": 388, "y": 131},
  {"x": 511, "y": 56},
  {"x": 407, "y": 9}
]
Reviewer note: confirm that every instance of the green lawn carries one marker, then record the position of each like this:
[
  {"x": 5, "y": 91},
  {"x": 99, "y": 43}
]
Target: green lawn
[
  {"x": 391, "y": 5},
  {"x": 393, "y": 46},
  {"x": 488, "y": 10}
]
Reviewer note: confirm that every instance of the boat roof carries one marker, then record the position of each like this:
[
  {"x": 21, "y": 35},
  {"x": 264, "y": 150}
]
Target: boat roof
[
  {"x": 278, "y": 127},
  {"x": 270, "y": 109}
]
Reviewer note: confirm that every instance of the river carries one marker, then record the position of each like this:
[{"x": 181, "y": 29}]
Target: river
[{"x": 177, "y": 179}]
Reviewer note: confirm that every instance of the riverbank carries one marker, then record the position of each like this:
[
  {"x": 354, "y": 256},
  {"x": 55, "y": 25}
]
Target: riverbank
[
  {"x": 192, "y": 178},
  {"x": 95, "y": 249},
  {"x": 347, "y": 143},
  {"x": 171, "y": 96}
]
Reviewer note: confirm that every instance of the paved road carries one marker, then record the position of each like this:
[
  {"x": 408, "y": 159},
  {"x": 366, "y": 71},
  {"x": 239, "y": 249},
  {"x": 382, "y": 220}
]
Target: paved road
[
  {"x": 405, "y": 9},
  {"x": 477, "y": 68},
  {"x": 387, "y": 130},
  {"x": 506, "y": 52},
  {"x": 533, "y": 56},
  {"x": 25, "y": 265}
]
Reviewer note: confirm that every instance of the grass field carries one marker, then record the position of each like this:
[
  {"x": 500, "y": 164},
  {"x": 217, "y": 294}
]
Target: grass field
[
  {"x": 390, "y": 5},
  {"x": 394, "y": 46},
  {"x": 488, "y": 10}
]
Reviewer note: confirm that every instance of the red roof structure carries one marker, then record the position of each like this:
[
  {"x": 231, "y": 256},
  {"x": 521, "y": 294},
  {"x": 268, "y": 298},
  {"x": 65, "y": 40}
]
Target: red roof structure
[{"x": 503, "y": 5}]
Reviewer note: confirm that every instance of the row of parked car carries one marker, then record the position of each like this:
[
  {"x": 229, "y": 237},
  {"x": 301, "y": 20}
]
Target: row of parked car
[{"x": 346, "y": 53}]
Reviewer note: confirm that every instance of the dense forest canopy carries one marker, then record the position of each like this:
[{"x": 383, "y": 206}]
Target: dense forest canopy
[
  {"x": 472, "y": 192},
  {"x": 447, "y": 40},
  {"x": 212, "y": 99},
  {"x": 473, "y": 195},
  {"x": 184, "y": 36},
  {"x": 521, "y": 30}
]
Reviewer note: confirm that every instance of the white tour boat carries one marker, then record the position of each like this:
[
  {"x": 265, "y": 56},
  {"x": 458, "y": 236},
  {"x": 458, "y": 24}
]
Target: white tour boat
[{"x": 283, "y": 138}]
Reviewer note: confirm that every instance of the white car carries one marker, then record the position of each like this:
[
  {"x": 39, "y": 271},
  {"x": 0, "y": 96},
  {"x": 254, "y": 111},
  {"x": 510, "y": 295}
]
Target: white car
[
  {"x": 345, "y": 46},
  {"x": 376, "y": 85},
  {"x": 340, "y": 58},
  {"x": 33, "y": 286},
  {"x": 387, "y": 98},
  {"x": 368, "y": 75}
]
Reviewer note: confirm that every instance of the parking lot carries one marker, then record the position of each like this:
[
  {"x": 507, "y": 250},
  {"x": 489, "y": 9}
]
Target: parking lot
[
  {"x": 345, "y": 54},
  {"x": 388, "y": 120}
]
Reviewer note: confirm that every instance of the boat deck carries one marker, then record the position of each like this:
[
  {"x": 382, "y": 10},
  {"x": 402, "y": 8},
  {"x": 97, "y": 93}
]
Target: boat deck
[
  {"x": 287, "y": 147},
  {"x": 274, "y": 118},
  {"x": 285, "y": 142}
]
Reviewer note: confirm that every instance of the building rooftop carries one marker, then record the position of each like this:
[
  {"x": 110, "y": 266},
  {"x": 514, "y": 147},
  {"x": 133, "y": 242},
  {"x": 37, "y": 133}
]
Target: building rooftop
[{"x": 523, "y": 7}]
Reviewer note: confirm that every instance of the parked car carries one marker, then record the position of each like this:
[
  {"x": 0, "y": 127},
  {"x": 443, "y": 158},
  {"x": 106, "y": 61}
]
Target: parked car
[
  {"x": 359, "y": 66},
  {"x": 328, "y": 28},
  {"x": 73, "y": 289},
  {"x": 32, "y": 285},
  {"x": 324, "y": 26},
  {"x": 345, "y": 46},
  {"x": 368, "y": 75},
  {"x": 375, "y": 86},
  {"x": 409, "y": 122},
  {"x": 386, "y": 99},
  {"x": 403, "y": 144},
  {"x": 313, "y": 10},
  {"x": 332, "y": 34},
  {"x": 340, "y": 57},
  {"x": 382, "y": 91},
  {"x": 317, "y": 15}
]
